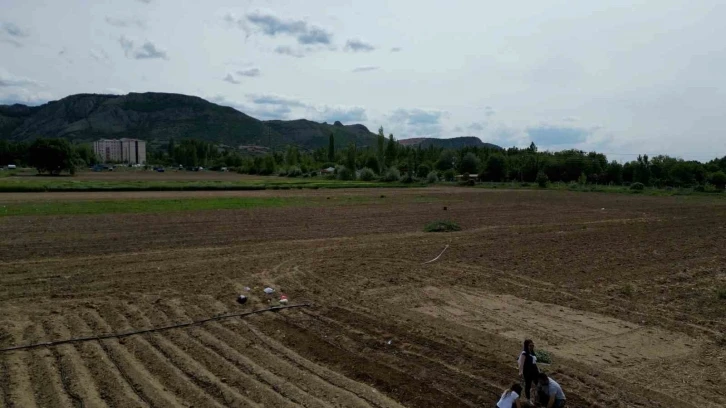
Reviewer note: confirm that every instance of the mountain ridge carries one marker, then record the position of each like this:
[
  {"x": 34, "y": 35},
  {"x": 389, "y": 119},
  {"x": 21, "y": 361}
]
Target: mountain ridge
[{"x": 158, "y": 117}]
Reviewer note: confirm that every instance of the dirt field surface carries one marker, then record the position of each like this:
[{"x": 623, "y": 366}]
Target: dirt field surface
[{"x": 623, "y": 291}]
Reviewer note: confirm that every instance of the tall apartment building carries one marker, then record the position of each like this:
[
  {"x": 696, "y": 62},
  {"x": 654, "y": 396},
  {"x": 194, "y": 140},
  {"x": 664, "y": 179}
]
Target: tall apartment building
[{"x": 132, "y": 151}]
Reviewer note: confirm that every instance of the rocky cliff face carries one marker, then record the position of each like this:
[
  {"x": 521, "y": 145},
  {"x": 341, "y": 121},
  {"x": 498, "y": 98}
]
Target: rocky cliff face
[{"x": 162, "y": 116}]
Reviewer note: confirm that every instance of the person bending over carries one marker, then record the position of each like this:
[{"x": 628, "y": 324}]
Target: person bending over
[
  {"x": 549, "y": 392},
  {"x": 510, "y": 397}
]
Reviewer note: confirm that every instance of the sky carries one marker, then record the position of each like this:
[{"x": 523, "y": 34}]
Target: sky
[{"x": 619, "y": 77}]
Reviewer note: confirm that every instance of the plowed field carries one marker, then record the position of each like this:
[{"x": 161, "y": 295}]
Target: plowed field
[{"x": 625, "y": 292}]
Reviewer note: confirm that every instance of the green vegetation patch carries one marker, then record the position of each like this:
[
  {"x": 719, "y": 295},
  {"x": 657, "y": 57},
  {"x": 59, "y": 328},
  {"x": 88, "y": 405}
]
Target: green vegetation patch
[
  {"x": 543, "y": 356},
  {"x": 163, "y": 205},
  {"x": 68, "y": 184},
  {"x": 442, "y": 226}
]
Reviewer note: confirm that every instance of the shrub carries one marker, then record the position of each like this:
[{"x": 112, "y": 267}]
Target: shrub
[
  {"x": 543, "y": 356},
  {"x": 721, "y": 293},
  {"x": 294, "y": 171},
  {"x": 637, "y": 186},
  {"x": 718, "y": 179},
  {"x": 582, "y": 179},
  {"x": 392, "y": 174},
  {"x": 344, "y": 173},
  {"x": 442, "y": 226},
  {"x": 407, "y": 178},
  {"x": 367, "y": 174},
  {"x": 542, "y": 179},
  {"x": 449, "y": 175},
  {"x": 423, "y": 171},
  {"x": 465, "y": 177},
  {"x": 432, "y": 177}
]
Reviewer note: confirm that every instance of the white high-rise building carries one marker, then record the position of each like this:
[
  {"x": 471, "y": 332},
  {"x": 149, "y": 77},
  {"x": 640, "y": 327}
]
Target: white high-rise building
[{"x": 132, "y": 151}]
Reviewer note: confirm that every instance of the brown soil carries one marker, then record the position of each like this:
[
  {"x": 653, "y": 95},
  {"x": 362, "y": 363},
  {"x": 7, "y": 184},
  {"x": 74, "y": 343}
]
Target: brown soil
[{"x": 621, "y": 290}]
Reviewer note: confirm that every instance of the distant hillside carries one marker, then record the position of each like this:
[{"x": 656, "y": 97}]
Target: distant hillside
[
  {"x": 157, "y": 117},
  {"x": 452, "y": 143}
]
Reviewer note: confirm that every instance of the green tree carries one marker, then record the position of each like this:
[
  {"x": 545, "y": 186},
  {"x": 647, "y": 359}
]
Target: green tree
[
  {"x": 331, "y": 148},
  {"x": 350, "y": 159},
  {"x": 52, "y": 156},
  {"x": 373, "y": 164},
  {"x": 423, "y": 171},
  {"x": 718, "y": 179},
  {"x": 391, "y": 151},
  {"x": 469, "y": 164},
  {"x": 446, "y": 161},
  {"x": 292, "y": 156},
  {"x": 85, "y": 155},
  {"x": 542, "y": 179},
  {"x": 496, "y": 168},
  {"x": 381, "y": 141},
  {"x": 614, "y": 173}
]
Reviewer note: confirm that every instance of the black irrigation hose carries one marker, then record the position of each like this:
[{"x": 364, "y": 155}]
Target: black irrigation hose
[{"x": 153, "y": 329}]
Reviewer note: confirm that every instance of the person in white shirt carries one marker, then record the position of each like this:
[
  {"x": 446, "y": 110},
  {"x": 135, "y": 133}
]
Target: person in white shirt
[{"x": 510, "y": 397}]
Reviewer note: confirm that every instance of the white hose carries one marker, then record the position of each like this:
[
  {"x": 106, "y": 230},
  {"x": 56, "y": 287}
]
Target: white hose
[{"x": 435, "y": 259}]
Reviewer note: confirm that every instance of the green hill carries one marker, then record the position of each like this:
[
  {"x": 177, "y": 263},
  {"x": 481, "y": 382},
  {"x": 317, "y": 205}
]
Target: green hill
[{"x": 158, "y": 117}]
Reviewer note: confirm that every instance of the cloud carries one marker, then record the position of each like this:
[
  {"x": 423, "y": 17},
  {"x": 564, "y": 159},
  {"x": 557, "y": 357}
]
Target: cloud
[
  {"x": 13, "y": 30},
  {"x": 344, "y": 114},
  {"x": 272, "y": 26},
  {"x": 476, "y": 127},
  {"x": 229, "y": 78},
  {"x": 365, "y": 69},
  {"x": 396, "y": 49},
  {"x": 9, "y": 80},
  {"x": 126, "y": 22},
  {"x": 145, "y": 1},
  {"x": 100, "y": 56},
  {"x": 554, "y": 135},
  {"x": 417, "y": 122},
  {"x": 126, "y": 44},
  {"x": 147, "y": 51},
  {"x": 275, "y": 100},
  {"x": 251, "y": 72},
  {"x": 24, "y": 97},
  {"x": 12, "y": 34},
  {"x": 114, "y": 91},
  {"x": 289, "y": 51},
  {"x": 358, "y": 46},
  {"x": 489, "y": 111},
  {"x": 570, "y": 119},
  {"x": 263, "y": 111}
]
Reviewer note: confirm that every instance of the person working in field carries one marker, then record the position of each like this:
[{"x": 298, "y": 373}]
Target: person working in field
[
  {"x": 510, "y": 397},
  {"x": 528, "y": 370},
  {"x": 549, "y": 392}
]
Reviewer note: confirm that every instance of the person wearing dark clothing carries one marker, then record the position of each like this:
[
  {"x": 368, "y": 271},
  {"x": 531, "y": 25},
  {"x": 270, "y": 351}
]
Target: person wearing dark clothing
[{"x": 528, "y": 370}]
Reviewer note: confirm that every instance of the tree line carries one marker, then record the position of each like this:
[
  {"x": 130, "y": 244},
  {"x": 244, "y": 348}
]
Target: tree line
[
  {"x": 52, "y": 156},
  {"x": 390, "y": 161}
]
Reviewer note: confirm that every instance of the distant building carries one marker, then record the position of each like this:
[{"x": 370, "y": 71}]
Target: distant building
[{"x": 132, "y": 151}]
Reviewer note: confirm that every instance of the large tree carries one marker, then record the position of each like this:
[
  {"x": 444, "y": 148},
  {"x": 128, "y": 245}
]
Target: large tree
[
  {"x": 391, "y": 150},
  {"x": 331, "y": 148},
  {"x": 52, "y": 156},
  {"x": 381, "y": 141}
]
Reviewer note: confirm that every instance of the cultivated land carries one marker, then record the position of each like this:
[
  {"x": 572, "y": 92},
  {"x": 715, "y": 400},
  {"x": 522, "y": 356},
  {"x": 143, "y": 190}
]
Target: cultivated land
[{"x": 626, "y": 293}]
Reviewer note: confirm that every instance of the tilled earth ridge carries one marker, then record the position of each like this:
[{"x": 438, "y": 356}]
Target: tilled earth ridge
[{"x": 621, "y": 290}]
